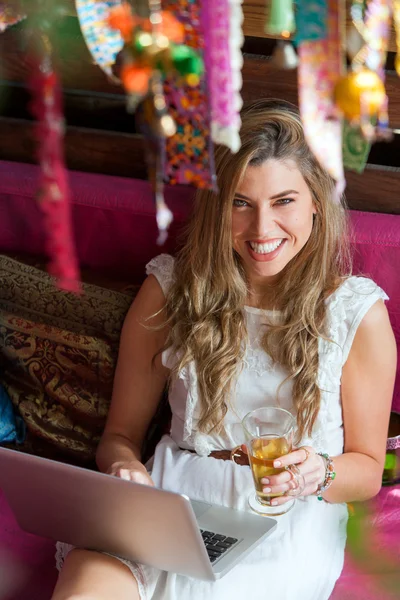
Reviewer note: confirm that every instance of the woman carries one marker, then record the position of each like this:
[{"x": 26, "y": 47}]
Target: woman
[{"x": 256, "y": 310}]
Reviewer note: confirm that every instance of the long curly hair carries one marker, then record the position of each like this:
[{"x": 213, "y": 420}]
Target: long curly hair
[{"x": 204, "y": 306}]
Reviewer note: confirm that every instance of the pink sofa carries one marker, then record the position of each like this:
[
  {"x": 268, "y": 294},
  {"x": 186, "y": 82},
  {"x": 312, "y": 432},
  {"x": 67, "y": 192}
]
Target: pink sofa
[{"x": 114, "y": 224}]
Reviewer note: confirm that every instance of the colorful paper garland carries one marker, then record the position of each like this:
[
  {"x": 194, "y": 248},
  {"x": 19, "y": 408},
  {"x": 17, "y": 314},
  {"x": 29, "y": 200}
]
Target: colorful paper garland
[{"x": 103, "y": 42}]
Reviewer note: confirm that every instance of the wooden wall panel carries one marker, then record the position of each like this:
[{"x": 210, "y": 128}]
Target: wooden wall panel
[
  {"x": 89, "y": 150},
  {"x": 78, "y": 72},
  {"x": 256, "y": 14},
  {"x": 377, "y": 189}
]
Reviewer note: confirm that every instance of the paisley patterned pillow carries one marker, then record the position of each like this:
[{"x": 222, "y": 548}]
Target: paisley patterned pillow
[{"x": 57, "y": 356}]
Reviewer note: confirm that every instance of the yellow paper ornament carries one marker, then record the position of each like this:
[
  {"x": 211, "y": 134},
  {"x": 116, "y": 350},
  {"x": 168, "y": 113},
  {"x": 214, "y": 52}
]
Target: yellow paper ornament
[{"x": 360, "y": 94}]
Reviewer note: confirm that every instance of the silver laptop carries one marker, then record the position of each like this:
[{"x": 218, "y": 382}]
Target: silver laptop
[{"x": 137, "y": 522}]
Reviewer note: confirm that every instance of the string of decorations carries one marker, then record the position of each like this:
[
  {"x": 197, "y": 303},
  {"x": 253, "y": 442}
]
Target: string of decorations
[{"x": 53, "y": 194}]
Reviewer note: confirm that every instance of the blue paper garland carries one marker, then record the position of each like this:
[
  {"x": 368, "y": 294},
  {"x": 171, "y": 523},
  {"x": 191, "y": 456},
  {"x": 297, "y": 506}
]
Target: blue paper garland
[{"x": 311, "y": 20}]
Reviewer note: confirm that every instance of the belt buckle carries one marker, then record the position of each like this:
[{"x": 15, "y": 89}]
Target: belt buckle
[{"x": 237, "y": 452}]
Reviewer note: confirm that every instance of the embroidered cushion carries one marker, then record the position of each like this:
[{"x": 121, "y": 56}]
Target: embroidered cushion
[{"x": 57, "y": 355}]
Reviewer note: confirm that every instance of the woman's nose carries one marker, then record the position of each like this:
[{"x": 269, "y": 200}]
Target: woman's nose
[{"x": 265, "y": 222}]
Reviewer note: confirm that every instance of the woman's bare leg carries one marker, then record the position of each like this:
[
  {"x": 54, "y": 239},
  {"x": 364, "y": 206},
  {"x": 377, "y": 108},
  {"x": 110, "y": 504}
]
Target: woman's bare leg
[{"x": 90, "y": 575}]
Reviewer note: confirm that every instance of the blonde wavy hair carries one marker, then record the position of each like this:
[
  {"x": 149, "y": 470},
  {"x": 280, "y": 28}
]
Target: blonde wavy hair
[{"x": 204, "y": 306}]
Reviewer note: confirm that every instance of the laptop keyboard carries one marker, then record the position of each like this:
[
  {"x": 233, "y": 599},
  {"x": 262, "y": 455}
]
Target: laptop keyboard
[{"x": 216, "y": 543}]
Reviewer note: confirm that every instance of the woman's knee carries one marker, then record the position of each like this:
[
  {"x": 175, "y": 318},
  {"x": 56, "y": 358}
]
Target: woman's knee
[{"x": 88, "y": 575}]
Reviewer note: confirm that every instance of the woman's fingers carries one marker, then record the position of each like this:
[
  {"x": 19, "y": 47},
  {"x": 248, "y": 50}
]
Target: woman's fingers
[
  {"x": 279, "y": 479},
  {"x": 286, "y": 476},
  {"x": 309, "y": 464},
  {"x": 285, "y": 482},
  {"x": 280, "y": 500},
  {"x": 298, "y": 456},
  {"x": 277, "y": 489},
  {"x": 309, "y": 490},
  {"x": 137, "y": 476}
]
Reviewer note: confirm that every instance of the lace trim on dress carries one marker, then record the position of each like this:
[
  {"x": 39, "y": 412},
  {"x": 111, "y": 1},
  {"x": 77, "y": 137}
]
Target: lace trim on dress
[
  {"x": 162, "y": 267},
  {"x": 346, "y": 308},
  {"x": 255, "y": 359},
  {"x": 372, "y": 293},
  {"x": 62, "y": 551},
  {"x": 198, "y": 440}
]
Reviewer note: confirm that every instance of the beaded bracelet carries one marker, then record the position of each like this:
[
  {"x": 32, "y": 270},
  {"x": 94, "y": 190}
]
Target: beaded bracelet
[{"x": 330, "y": 475}]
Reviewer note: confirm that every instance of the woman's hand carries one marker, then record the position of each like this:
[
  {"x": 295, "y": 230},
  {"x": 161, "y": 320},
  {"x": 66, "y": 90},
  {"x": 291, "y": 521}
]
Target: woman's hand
[
  {"x": 132, "y": 471},
  {"x": 310, "y": 465}
]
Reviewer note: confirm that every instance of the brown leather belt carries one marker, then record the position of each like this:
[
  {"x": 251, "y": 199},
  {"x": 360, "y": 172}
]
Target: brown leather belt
[{"x": 236, "y": 455}]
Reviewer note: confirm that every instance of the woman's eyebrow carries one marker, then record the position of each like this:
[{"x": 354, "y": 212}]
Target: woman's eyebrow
[
  {"x": 280, "y": 195},
  {"x": 285, "y": 193},
  {"x": 238, "y": 195}
]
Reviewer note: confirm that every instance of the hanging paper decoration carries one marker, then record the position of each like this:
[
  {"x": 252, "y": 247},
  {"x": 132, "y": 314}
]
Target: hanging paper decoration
[
  {"x": 320, "y": 66},
  {"x": 236, "y": 40},
  {"x": 54, "y": 194},
  {"x": 396, "y": 18},
  {"x": 153, "y": 49},
  {"x": 374, "y": 29},
  {"x": 164, "y": 216},
  {"x": 284, "y": 56},
  {"x": 281, "y": 18},
  {"x": 155, "y": 157},
  {"x": 311, "y": 21},
  {"x": 223, "y": 38},
  {"x": 281, "y": 22},
  {"x": 189, "y": 153},
  {"x": 103, "y": 42},
  {"x": 10, "y": 15},
  {"x": 360, "y": 95},
  {"x": 355, "y": 148}
]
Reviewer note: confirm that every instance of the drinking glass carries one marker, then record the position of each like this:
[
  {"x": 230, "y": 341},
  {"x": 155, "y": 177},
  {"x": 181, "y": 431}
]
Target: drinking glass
[{"x": 269, "y": 435}]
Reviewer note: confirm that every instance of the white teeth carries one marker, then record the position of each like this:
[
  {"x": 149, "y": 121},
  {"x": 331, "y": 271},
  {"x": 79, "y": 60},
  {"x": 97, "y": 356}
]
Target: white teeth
[{"x": 265, "y": 248}]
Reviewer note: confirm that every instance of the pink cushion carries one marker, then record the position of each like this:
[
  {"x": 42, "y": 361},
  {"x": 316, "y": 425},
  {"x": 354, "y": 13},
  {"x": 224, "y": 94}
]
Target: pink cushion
[
  {"x": 113, "y": 219},
  {"x": 377, "y": 255}
]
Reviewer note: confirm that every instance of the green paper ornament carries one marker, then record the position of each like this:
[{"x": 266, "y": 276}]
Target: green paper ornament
[
  {"x": 186, "y": 60},
  {"x": 281, "y": 18},
  {"x": 355, "y": 148}
]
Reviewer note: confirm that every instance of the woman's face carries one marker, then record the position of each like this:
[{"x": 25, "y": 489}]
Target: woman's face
[{"x": 272, "y": 219}]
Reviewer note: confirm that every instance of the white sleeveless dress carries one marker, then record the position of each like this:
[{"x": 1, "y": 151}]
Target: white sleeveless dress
[{"x": 303, "y": 558}]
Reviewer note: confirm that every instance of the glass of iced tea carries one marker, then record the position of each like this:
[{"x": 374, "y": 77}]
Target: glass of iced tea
[{"x": 269, "y": 435}]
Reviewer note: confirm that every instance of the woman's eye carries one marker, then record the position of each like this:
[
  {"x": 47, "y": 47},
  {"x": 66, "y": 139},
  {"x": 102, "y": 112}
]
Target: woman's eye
[
  {"x": 239, "y": 202},
  {"x": 284, "y": 201}
]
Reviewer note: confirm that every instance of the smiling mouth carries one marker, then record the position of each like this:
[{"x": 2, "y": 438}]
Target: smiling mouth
[{"x": 265, "y": 248}]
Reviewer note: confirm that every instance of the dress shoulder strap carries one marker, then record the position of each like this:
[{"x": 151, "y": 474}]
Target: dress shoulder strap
[
  {"x": 162, "y": 267},
  {"x": 348, "y": 306}
]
